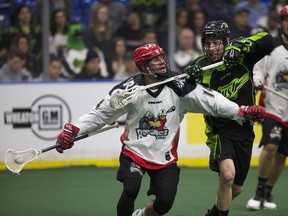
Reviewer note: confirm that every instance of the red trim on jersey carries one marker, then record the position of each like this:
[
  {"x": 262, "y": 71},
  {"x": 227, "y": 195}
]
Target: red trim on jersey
[
  {"x": 146, "y": 164},
  {"x": 175, "y": 142},
  {"x": 143, "y": 163},
  {"x": 276, "y": 118}
]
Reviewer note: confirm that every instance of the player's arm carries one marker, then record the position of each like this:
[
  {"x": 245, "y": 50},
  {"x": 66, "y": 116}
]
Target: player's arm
[
  {"x": 260, "y": 72},
  {"x": 207, "y": 101},
  {"x": 255, "y": 46},
  {"x": 97, "y": 118}
]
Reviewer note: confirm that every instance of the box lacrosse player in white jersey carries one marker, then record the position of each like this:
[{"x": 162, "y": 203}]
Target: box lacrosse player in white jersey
[
  {"x": 151, "y": 134},
  {"x": 272, "y": 69}
]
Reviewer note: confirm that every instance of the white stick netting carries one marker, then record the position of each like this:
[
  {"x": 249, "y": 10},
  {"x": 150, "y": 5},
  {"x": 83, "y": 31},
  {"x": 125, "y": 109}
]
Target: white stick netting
[
  {"x": 16, "y": 160},
  {"x": 120, "y": 98}
]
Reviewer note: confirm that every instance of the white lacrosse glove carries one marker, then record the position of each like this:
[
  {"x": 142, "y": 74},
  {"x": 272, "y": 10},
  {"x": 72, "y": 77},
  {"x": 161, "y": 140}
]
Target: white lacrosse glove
[{"x": 258, "y": 84}]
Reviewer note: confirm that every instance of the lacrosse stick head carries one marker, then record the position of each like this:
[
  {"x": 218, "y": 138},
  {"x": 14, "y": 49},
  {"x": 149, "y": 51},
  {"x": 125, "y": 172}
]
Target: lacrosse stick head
[
  {"x": 16, "y": 160},
  {"x": 121, "y": 97}
]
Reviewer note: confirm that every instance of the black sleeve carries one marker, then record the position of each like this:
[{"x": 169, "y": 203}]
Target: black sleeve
[{"x": 264, "y": 45}]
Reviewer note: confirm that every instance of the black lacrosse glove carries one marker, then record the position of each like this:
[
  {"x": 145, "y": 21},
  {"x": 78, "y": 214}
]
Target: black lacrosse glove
[
  {"x": 236, "y": 49},
  {"x": 195, "y": 73}
]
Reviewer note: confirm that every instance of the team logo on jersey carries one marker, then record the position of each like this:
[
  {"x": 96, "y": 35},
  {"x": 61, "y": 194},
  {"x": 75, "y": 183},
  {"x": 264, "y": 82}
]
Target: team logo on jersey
[
  {"x": 154, "y": 125},
  {"x": 281, "y": 81},
  {"x": 230, "y": 91},
  {"x": 275, "y": 133}
]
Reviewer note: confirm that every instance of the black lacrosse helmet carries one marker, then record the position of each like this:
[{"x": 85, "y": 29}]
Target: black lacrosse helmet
[{"x": 217, "y": 29}]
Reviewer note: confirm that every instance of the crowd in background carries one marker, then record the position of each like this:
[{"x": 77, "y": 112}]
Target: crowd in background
[{"x": 92, "y": 40}]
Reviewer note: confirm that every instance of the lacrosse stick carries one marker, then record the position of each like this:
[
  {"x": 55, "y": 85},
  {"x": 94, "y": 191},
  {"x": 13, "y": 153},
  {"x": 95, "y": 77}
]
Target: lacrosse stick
[
  {"x": 16, "y": 160},
  {"x": 121, "y": 97},
  {"x": 275, "y": 92}
]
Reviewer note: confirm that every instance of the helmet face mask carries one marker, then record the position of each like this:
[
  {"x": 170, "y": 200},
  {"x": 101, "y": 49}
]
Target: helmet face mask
[
  {"x": 216, "y": 31},
  {"x": 152, "y": 61}
]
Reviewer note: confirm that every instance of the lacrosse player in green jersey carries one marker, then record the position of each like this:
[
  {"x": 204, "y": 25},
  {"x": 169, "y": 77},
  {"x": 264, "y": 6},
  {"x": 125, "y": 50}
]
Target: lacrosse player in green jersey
[{"x": 230, "y": 144}]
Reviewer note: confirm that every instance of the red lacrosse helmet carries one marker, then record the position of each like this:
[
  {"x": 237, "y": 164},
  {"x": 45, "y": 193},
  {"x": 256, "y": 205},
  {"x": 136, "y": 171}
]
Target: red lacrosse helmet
[
  {"x": 284, "y": 11},
  {"x": 147, "y": 52},
  {"x": 144, "y": 54}
]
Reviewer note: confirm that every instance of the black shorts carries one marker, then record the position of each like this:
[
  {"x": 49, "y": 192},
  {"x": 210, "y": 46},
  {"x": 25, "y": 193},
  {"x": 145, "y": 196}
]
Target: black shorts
[
  {"x": 167, "y": 177},
  {"x": 239, "y": 150},
  {"x": 273, "y": 132}
]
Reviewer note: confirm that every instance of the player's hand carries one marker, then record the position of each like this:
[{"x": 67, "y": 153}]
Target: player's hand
[
  {"x": 254, "y": 113},
  {"x": 236, "y": 49},
  {"x": 245, "y": 45},
  {"x": 258, "y": 85},
  {"x": 195, "y": 73},
  {"x": 66, "y": 137},
  {"x": 232, "y": 56}
]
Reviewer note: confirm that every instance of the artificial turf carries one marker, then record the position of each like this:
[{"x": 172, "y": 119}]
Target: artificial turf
[{"x": 87, "y": 191}]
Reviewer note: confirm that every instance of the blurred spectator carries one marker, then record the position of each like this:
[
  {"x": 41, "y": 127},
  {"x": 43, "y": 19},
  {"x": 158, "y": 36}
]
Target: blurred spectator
[
  {"x": 3, "y": 51},
  {"x": 185, "y": 53},
  {"x": 256, "y": 9},
  {"x": 240, "y": 27},
  {"x": 181, "y": 19},
  {"x": 152, "y": 13},
  {"x": 22, "y": 24},
  {"x": 218, "y": 10},
  {"x": 197, "y": 24},
  {"x": 268, "y": 23},
  {"x": 191, "y": 6},
  {"x": 21, "y": 43},
  {"x": 13, "y": 70},
  {"x": 55, "y": 70},
  {"x": 53, "y": 5},
  {"x": 59, "y": 27},
  {"x": 277, "y": 5},
  {"x": 117, "y": 12},
  {"x": 121, "y": 63},
  {"x": 99, "y": 32},
  {"x": 132, "y": 30},
  {"x": 91, "y": 69},
  {"x": 76, "y": 53},
  {"x": 150, "y": 36}
]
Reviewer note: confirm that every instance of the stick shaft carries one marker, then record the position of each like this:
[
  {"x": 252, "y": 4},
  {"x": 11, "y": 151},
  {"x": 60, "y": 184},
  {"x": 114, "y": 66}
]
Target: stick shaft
[
  {"x": 83, "y": 136},
  {"x": 181, "y": 76},
  {"x": 275, "y": 92}
]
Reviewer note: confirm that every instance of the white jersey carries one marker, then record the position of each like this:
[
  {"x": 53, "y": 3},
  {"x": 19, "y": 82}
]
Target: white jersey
[
  {"x": 152, "y": 124},
  {"x": 274, "y": 68}
]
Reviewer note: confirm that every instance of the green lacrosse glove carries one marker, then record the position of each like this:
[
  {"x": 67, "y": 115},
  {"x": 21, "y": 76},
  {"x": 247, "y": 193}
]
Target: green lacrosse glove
[
  {"x": 246, "y": 45},
  {"x": 195, "y": 73},
  {"x": 236, "y": 49}
]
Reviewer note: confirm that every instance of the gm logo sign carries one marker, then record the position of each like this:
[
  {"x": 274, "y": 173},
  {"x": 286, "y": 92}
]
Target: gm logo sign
[{"x": 45, "y": 117}]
